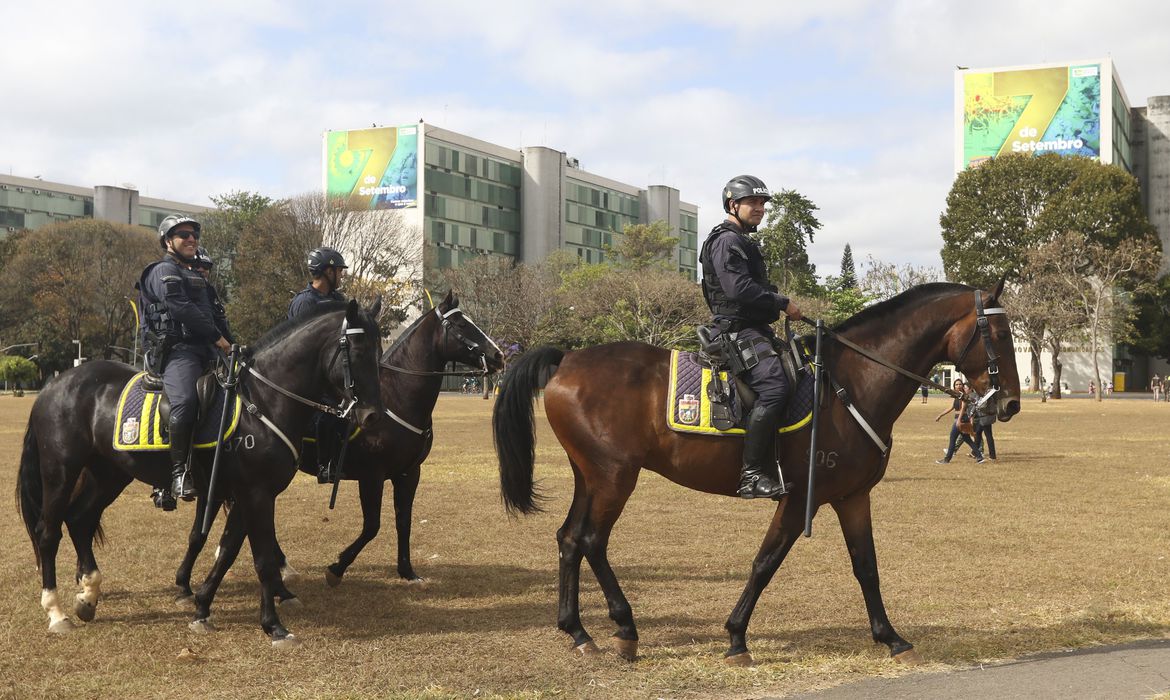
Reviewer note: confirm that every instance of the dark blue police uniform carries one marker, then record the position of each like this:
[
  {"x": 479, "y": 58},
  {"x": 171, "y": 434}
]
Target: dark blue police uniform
[
  {"x": 309, "y": 297},
  {"x": 736, "y": 287}
]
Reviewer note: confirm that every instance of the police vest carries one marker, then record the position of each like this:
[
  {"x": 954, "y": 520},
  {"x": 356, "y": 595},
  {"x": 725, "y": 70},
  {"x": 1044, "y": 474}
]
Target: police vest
[{"x": 718, "y": 301}]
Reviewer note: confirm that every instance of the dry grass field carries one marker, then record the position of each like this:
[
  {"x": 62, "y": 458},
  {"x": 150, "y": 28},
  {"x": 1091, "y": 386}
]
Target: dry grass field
[{"x": 1061, "y": 543}]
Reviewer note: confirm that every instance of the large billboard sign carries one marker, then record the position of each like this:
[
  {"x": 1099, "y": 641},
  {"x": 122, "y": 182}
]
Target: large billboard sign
[
  {"x": 377, "y": 166},
  {"x": 1031, "y": 110}
]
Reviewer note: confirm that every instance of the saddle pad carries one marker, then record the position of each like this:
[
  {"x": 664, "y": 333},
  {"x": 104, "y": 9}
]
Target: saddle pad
[
  {"x": 688, "y": 410},
  {"x": 137, "y": 425}
]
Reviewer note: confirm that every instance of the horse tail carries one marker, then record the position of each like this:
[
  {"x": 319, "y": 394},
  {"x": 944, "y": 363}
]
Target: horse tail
[
  {"x": 514, "y": 426},
  {"x": 28, "y": 488}
]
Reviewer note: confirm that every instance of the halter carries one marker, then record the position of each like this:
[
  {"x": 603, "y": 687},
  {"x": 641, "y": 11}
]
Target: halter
[
  {"x": 983, "y": 326},
  {"x": 450, "y": 329}
]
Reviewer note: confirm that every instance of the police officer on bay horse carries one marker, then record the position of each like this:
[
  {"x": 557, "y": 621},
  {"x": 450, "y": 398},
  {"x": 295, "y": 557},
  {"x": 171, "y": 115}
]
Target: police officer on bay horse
[
  {"x": 181, "y": 332},
  {"x": 327, "y": 268},
  {"x": 745, "y": 304}
]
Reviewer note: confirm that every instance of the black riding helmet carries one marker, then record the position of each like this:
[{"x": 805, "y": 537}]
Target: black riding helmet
[
  {"x": 740, "y": 187},
  {"x": 323, "y": 257},
  {"x": 169, "y": 223}
]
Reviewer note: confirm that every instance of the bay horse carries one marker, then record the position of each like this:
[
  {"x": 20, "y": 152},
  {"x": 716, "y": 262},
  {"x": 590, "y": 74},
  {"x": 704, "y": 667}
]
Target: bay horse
[
  {"x": 70, "y": 472},
  {"x": 607, "y": 407},
  {"x": 393, "y": 448}
]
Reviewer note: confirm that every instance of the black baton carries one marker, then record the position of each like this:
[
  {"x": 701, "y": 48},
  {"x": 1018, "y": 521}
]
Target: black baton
[
  {"x": 812, "y": 439},
  {"x": 229, "y": 395}
]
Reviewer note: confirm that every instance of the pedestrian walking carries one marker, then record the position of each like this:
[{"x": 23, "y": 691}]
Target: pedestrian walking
[{"x": 962, "y": 428}]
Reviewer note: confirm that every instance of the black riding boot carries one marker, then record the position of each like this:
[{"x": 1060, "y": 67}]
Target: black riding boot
[
  {"x": 759, "y": 455},
  {"x": 181, "y": 486}
]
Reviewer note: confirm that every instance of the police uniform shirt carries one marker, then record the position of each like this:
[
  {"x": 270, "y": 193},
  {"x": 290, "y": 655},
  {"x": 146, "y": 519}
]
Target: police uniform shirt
[
  {"x": 736, "y": 263},
  {"x": 309, "y": 297},
  {"x": 185, "y": 294}
]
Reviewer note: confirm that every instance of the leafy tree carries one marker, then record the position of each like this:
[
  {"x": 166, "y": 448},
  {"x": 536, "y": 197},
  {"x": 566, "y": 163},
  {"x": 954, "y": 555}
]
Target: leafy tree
[
  {"x": 17, "y": 370},
  {"x": 1152, "y": 320},
  {"x": 643, "y": 245},
  {"x": 1095, "y": 274},
  {"x": 654, "y": 306},
  {"x": 1042, "y": 315},
  {"x": 221, "y": 231},
  {"x": 883, "y": 280},
  {"x": 789, "y": 227},
  {"x": 843, "y": 300},
  {"x": 76, "y": 278},
  {"x": 848, "y": 278}
]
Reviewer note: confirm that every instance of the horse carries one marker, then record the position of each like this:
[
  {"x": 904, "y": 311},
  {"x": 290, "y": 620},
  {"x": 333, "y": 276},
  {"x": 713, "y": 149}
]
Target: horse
[
  {"x": 606, "y": 405},
  {"x": 390, "y": 450},
  {"x": 70, "y": 472}
]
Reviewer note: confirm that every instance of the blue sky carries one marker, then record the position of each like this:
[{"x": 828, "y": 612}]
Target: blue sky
[{"x": 846, "y": 101}]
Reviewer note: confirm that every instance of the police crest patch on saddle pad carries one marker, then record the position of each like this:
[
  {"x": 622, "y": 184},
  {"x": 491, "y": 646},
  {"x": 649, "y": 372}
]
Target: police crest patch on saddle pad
[
  {"x": 137, "y": 427},
  {"x": 688, "y": 408}
]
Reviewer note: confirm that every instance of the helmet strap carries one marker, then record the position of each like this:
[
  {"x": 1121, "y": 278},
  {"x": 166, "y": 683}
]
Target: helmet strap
[{"x": 735, "y": 214}]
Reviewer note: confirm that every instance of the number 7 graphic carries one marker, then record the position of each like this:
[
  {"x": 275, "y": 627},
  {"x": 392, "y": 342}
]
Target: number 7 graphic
[{"x": 1046, "y": 87}]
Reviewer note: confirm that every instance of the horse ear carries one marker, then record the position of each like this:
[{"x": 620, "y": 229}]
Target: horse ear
[
  {"x": 376, "y": 309},
  {"x": 449, "y": 301},
  {"x": 997, "y": 291},
  {"x": 351, "y": 310}
]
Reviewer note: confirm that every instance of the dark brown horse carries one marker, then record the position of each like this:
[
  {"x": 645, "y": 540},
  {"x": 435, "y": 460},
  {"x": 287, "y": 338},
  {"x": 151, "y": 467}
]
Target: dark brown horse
[{"x": 607, "y": 407}]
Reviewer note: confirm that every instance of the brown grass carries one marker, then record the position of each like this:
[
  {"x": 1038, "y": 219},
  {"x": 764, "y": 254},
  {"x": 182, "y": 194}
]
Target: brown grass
[{"x": 1060, "y": 544}]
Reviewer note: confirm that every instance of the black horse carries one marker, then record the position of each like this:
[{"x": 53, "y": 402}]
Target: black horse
[
  {"x": 391, "y": 449},
  {"x": 70, "y": 472}
]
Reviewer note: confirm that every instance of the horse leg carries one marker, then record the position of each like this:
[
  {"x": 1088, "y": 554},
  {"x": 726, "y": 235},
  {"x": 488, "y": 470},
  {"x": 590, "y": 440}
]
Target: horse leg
[
  {"x": 195, "y": 542},
  {"x": 569, "y": 577},
  {"x": 605, "y": 510},
  {"x": 370, "y": 492},
  {"x": 261, "y": 526},
  {"x": 84, "y": 522},
  {"x": 225, "y": 555},
  {"x": 55, "y": 502},
  {"x": 857, "y": 526},
  {"x": 405, "y": 486},
  {"x": 787, "y": 524}
]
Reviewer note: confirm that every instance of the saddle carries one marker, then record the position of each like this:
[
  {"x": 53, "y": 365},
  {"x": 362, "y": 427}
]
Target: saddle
[{"x": 143, "y": 415}]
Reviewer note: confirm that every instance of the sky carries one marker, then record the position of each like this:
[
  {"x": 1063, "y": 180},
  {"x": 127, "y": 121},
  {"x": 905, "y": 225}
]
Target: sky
[{"x": 849, "y": 102}]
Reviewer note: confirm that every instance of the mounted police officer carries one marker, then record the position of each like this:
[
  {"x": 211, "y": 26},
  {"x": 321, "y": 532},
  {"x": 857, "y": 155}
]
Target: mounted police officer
[
  {"x": 327, "y": 267},
  {"x": 745, "y": 304},
  {"x": 181, "y": 332}
]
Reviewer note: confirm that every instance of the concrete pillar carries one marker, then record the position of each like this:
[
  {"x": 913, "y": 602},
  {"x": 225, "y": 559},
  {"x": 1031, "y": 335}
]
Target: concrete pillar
[
  {"x": 1156, "y": 171},
  {"x": 117, "y": 204},
  {"x": 541, "y": 203}
]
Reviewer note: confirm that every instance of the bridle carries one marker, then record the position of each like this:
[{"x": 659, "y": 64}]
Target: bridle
[
  {"x": 450, "y": 330},
  {"x": 982, "y": 325}
]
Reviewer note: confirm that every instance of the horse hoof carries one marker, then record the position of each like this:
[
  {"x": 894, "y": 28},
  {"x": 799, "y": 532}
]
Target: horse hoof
[
  {"x": 289, "y": 574},
  {"x": 910, "y": 657},
  {"x": 62, "y": 626},
  {"x": 742, "y": 660},
  {"x": 291, "y": 603},
  {"x": 289, "y": 641},
  {"x": 587, "y": 649},
  {"x": 203, "y": 626},
  {"x": 626, "y": 648},
  {"x": 84, "y": 611},
  {"x": 332, "y": 579}
]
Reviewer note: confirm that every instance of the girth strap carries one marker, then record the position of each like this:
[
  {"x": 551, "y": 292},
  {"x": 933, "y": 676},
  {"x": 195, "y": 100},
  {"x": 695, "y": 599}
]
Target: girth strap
[{"x": 843, "y": 397}]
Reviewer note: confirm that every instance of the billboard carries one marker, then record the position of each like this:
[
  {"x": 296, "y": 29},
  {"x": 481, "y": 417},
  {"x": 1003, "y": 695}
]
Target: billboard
[
  {"x": 1051, "y": 109},
  {"x": 378, "y": 166}
]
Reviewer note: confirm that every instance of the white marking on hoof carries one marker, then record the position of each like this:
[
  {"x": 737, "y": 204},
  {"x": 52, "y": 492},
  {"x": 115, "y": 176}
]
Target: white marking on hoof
[
  {"x": 203, "y": 626},
  {"x": 332, "y": 579},
  {"x": 587, "y": 649},
  {"x": 289, "y": 574},
  {"x": 63, "y": 626},
  {"x": 289, "y": 642},
  {"x": 290, "y": 603},
  {"x": 91, "y": 588},
  {"x": 52, "y": 606}
]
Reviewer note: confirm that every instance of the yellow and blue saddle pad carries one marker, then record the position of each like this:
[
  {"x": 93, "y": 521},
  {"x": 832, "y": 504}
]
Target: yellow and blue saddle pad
[
  {"x": 688, "y": 409},
  {"x": 137, "y": 426}
]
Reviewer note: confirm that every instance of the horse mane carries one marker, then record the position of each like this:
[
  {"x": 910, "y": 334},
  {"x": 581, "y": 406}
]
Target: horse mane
[
  {"x": 911, "y": 297},
  {"x": 286, "y": 327}
]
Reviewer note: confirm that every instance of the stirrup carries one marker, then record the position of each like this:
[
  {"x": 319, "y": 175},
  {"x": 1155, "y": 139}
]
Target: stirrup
[
  {"x": 163, "y": 499},
  {"x": 750, "y": 487},
  {"x": 181, "y": 486}
]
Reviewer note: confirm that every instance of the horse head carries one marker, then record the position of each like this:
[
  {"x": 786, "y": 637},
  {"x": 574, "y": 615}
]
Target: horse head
[
  {"x": 360, "y": 342},
  {"x": 982, "y": 350},
  {"x": 458, "y": 339}
]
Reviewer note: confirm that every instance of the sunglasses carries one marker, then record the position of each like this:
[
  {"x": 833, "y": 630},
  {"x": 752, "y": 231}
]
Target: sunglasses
[{"x": 186, "y": 234}]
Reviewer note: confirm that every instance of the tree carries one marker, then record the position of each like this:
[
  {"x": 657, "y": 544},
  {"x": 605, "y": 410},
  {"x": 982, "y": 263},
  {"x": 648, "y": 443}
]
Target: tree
[
  {"x": 76, "y": 278},
  {"x": 1152, "y": 319},
  {"x": 883, "y": 280},
  {"x": 17, "y": 370},
  {"x": 1096, "y": 275},
  {"x": 221, "y": 231},
  {"x": 653, "y": 305},
  {"x": 643, "y": 245},
  {"x": 789, "y": 227},
  {"x": 1042, "y": 314},
  {"x": 848, "y": 278}
]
